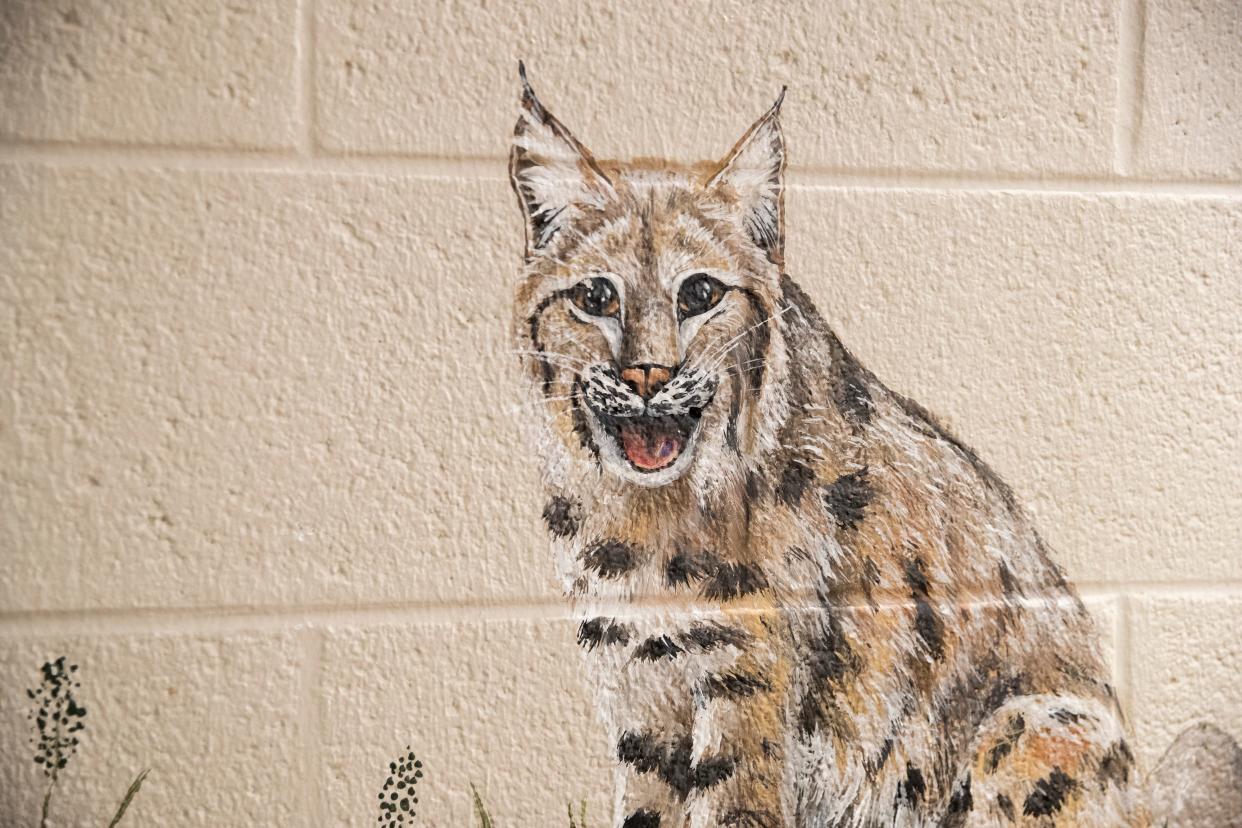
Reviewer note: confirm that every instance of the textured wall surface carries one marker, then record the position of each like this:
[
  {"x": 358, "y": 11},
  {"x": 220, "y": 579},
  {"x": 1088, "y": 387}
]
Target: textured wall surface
[{"x": 260, "y": 473}]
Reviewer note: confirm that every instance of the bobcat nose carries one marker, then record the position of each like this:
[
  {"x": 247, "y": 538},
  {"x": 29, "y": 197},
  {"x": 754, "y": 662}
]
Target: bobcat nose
[{"x": 646, "y": 380}]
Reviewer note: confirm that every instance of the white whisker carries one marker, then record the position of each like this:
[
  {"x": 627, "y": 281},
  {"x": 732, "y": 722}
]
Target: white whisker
[
  {"x": 549, "y": 355},
  {"x": 719, "y": 353}
]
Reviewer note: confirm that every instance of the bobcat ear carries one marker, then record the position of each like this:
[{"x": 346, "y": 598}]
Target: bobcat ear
[
  {"x": 554, "y": 176},
  {"x": 753, "y": 175}
]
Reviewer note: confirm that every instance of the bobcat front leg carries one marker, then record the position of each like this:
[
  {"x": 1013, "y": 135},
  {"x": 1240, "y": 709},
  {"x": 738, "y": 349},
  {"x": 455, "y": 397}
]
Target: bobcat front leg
[
  {"x": 645, "y": 704},
  {"x": 699, "y": 740},
  {"x": 739, "y": 738},
  {"x": 1049, "y": 761}
]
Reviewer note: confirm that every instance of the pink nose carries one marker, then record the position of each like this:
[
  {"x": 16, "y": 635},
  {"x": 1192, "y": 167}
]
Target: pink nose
[{"x": 646, "y": 380}]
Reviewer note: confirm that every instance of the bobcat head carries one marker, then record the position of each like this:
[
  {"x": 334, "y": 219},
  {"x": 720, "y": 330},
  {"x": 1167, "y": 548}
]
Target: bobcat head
[{"x": 646, "y": 312}]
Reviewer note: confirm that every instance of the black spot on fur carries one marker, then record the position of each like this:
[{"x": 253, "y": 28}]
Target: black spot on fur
[
  {"x": 1006, "y": 689},
  {"x": 595, "y": 632},
  {"x": 876, "y": 763},
  {"x": 734, "y": 684},
  {"x": 913, "y": 788},
  {"x": 1115, "y": 765},
  {"x": 1049, "y": 794},
  {"x": 849, "y": 380},
  {"x": 747, "y": 818},
  {"x": 1006, "y": 743},
  {"x": 916, "y": 577},
  {"x": 960, "y": 803},
  {"x": 831, "y": 660},
  {"x": 656, "y": 648},
  {"x": 847, "y": 497},
  {"x": 1077, "y": 671},
  {"x": 797, "y": 553},
  {"x": 927, "y": 622},
  {"x": 930, "y": 628},
  {"x": 610, "y": 558},
  {"x": 1068, "y": 716},
  {"x": 752, "y": 486},
  {"x": 710, "y": 636},
  {"x": 734, "y": 580},
  {"x": 973, "y": 695},
  {"x": 794, "y": 480},
  {"x": 671, "y": 762},
  {"x": 640, "y": 750},
  {"x": 1006, "y": 806},
  {"x": 687, "y": 566},
  {"x": 563, "y": 516},
  {"x": 712, "y": 771},
  {"x": 850, "y": 383},
  {"x": 1009, "y": 586},
  {"x": 642, "y": 819},
  {"x": 675, "y": 770}
]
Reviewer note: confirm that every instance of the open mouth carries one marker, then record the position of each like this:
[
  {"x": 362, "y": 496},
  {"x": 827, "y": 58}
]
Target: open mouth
[{"x": 653, "y": 443}]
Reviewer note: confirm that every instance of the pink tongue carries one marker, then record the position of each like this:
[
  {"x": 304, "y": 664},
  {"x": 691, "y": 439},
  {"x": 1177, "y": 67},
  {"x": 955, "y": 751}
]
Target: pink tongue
[{"x": 648, "y": 448}]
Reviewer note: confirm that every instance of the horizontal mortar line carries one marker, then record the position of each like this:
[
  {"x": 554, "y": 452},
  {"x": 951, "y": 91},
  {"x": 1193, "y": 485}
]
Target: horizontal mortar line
[
  {"x": 137, "y": 153},
  {"x": 488, "y": 168},
  {"x": 292, "y": 160},
  {"x": 271, "y": 618},
  {"x": 223, "y": 619},
  {"x": 1224, "y": 588},
  {"x": 815, "y": 178}
]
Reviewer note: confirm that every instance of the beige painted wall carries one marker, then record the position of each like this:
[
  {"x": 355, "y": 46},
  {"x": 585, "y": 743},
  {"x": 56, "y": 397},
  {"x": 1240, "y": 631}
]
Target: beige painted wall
[{"x": 259, "y": 468}]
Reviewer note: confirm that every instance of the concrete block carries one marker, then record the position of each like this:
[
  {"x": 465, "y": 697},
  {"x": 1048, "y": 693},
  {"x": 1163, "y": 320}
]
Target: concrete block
[
  {"x": 498, "y": 705},
  {"x": 1186, "y": 663},
  {"x": 215, "y": 717},
  {"x": 1008, "y": 87},
  {"x": 1191, "y": 118},
  {"x": 196, "y": 74}
]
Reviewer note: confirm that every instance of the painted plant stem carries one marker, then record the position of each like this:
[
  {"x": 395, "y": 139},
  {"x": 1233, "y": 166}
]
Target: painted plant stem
[
  {"x": 59, "y": 724},
  {"x": 134, "y": 787},
  {"x": 480, "y": 812},
  {"x": 47, "y": 801}
]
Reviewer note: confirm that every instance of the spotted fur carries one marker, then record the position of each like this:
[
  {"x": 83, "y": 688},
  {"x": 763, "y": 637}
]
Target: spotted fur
[{"x": 828, "y": 611}]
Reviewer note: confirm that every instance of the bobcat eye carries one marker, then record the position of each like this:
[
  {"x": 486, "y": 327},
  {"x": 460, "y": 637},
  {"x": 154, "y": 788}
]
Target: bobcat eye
[
  {"x": 698, "y": 294},
  {"x": 596, "y": 297}
]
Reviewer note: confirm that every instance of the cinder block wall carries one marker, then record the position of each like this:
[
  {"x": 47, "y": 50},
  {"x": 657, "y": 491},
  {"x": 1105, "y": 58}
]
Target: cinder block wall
[{"x": 260, "y": 469}]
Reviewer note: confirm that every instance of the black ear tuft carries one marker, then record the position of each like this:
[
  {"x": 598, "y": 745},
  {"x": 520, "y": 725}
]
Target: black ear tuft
[{"x": 529, "y": 99}]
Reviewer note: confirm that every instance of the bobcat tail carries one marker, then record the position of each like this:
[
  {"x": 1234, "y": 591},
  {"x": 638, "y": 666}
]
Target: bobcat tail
[{"x": 1198, "y": 781}]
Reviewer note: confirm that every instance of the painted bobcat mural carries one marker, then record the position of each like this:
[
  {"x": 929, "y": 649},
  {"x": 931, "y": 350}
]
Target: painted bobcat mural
[{"x": 803, "y": 602}]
